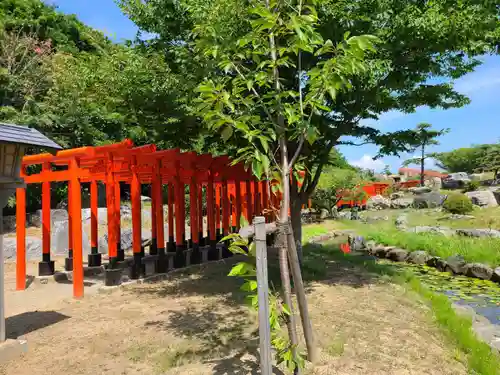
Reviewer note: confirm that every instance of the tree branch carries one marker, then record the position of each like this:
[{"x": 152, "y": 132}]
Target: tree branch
[{"x": 297, "y": 152}]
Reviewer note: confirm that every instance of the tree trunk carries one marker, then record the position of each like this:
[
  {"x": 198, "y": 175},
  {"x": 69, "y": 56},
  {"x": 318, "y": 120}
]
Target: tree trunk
[{"x": 422, "y": 167}]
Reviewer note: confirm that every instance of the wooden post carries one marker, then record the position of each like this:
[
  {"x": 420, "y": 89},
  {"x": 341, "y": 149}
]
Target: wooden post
[
  {"x": 218, "y": 206},
  {"x": 248, "y": 187},
  {"x": 110, "y": 204},
  {"x": 160, "y": 229},
  {"x": 256, "y": 198},
  {"x": 76, "y": 209},
  {"x": 210, "y": 210},
  {"x": 201, "y": 239},
  {"x": 301, "y": 296},
  {"x": 21, "y": 238},
  {"x": 225, "y": 209},
  {"x": 46, "y": 266},
  {"x": 171, "y": 197},
  {"x": 193, "y": 218},
  {"x": 265, "y": 198},
  {"x": 94, "y": 258},
  {"x": 135, "y": 196},
  {"x": 179, "y": 225},
  {"x": 238, "y": 203},
  {"x": 266, "y": 367},
  {"x": 153, "y": 248},
  {"x": 118, "y": 224}
]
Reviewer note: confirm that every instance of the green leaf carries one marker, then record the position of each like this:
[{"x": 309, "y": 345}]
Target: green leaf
[
  {"x": 257, "y": 168},
  {"x": 230, "y": 236},
  {"x": 243, "y": 222},
  {"x": 249, "y": 286},
  {"x": 252, "y": 249},
  {"x": 237, "y": 270},
  {"x": 286, "y": 309},
  {"x": 227, "y": 133}
]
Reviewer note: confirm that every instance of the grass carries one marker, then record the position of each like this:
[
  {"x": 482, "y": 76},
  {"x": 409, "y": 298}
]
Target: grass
[
  {"x": 483, "y": 250},
  {"x": 478, "y": 355}
]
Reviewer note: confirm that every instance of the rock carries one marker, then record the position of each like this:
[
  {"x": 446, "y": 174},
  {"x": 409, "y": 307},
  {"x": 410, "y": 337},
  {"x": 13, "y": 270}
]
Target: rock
[
  {"x": 60, "y": 238},
  {"x": 418, "y": 257},
  {"x": 345, "y": 215},
  {"x": 378, "y": 202},
  {"x": 437, "y": 263},
  {"x": 479, "y": 271},
  {"x": 324, "y": 214},
  {"x": 9, "y": 224},
  {"x": 126, "y": 239},
  {"x": 145, "y": 198},
  {"x": 420, "y": 190},
  {"x": 456, "y": 180},
  {"x": 458, "y": 217},
  {"x": 401, "y": 203},
  {"x": 33, "y": 248},
  {"x": 56, "y": 215},
  {"x": 357, "y": 243},
  {"x": 370, "y": 245},
  {"x": 401, "y": 221},
  {"x": 382, "y": 251},
  {"x": 397, "y": 195},
  {"x": 429, "y": 200},
  {"x": 445, "y": 231},
  {"x": 496, "y": 193},
  {"x": 496, "y": 275},
  {"x": 102, "y": 215},
  {"x": 480, "y": 233},
  {"x": 483, "y": 198},
  {"x": 456, "y": 264},
  {"x": 434, "y": 183},
  {"x": 397, "y": 255}
]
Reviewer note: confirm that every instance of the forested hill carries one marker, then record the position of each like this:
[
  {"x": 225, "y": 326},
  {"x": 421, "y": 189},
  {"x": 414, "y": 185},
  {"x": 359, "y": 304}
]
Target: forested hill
[{"x": 66, "y": 32}]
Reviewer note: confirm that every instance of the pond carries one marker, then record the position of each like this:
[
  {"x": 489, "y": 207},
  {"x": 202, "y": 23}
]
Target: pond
[{"x": 482, "y": 295}]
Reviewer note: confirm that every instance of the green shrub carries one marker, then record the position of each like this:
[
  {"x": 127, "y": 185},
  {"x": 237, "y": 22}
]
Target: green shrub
[
  {"x": 472, "y": 186},
  {"x": 458, "y": 204}
]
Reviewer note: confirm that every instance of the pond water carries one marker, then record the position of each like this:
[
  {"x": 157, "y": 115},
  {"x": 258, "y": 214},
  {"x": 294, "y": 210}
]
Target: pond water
[{"x": 482, "y": 295}]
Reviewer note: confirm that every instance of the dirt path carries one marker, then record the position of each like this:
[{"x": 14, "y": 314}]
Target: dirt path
[{"x": 196, "y": 323}]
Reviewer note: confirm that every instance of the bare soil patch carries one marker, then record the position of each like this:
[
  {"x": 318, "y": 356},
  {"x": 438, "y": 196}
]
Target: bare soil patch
[{"x": 197, "y": 323}]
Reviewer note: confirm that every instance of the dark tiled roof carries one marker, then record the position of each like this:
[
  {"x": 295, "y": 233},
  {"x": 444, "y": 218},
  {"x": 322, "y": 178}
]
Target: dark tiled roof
[{"x": 24, "y": 135}]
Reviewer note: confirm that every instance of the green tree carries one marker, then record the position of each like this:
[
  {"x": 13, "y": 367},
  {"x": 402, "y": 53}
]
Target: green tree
[
  {"x": 460, "y": 160},
  {"x": 387, "y": 170},
  {"x": 424, "y": 136},
  {"x": 421, "y": 40},
  {"x": 490, "y": 162}
]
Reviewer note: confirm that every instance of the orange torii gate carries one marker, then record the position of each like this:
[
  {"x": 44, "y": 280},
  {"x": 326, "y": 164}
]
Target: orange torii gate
[{"x": 230, "y": 192}]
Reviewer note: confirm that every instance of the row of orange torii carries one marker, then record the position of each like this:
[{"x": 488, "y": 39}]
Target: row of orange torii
[{"x": 230, "y": 192}]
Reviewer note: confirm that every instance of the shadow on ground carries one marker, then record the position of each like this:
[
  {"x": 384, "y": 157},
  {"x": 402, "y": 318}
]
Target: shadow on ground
[{"x": 22, "y": 324}]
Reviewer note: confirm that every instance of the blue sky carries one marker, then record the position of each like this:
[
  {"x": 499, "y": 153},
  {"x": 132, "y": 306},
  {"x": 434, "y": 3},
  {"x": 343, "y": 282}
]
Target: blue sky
[{"x": 474, "y": 124}]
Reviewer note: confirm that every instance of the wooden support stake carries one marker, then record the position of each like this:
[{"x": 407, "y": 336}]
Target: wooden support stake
[
  {"x": 210, "y": 208},
  {"x": 301, "y": 297},
  {"x": 238, "y": 203},
  {"x": 153, "y": 249},
  {"x": 135, "y": 196},
  {"x": 266, "y": 367},
  {"x": 93, "y": 216},
  {"x": 46, "y": 216},
  {"x": 225, "y": 209},
  {"x": 218, "y": 206},
  {"x": 170, "y": 213},
  {"x": 160, "y": 229},
  {"x": 179, "y": 224},
  {"x": 21, "y": 238},
  {"x": 248, "y": 187}
]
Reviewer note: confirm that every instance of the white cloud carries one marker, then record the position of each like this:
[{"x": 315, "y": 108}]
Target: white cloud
[{"x": 367, "y": 162}]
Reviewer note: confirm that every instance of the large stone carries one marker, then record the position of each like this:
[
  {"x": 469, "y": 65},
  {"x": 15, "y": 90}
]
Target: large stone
[
  {"x": 357, "y": 243},
  {"x": 458, "y": 217},
  {"x": 444, "y": 231},
  {"x": 323, "y": 214},
  {"x": 33, "y": 248},
  {"x": 429, "y": 200},
  {"x": 344, "y": 215},
  {"x": 479, "y": 270},
  {"x": 438, "y": 263},
  {"x": 496, "y": 193},
  {"x": 126, "y": 239},
  {"x": 378, "y": 202},
  {"x": 420, "y": 190},
  {"x": 456, "y": 264},
  {"x": 397, "y": 195},
  {"x": 496, "y": 275},
  {"x": 373, "y": 219},
  {"x": 483, "y": 198},
  {"x": 9, "y": 224},
  {"x": 56, "y": 216},
  {"x": 145, "y": 198},
  {"x": 480, "y": 233},
  {"x": 397, "y": 255},
  {"x": 418, "y": 257},
  {"x": 102, "y": 215},
  {"x": 60, "y": 239},
  {"x": 402, "y": 203},
  {"x": 382, "y": 251},
  {"x": 401, "y": 221}
]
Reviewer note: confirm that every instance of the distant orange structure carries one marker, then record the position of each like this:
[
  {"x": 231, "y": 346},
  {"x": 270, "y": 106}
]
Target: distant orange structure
[
  {"x": 414, "y": 172},
  {"x": 230, "y": 192}
]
